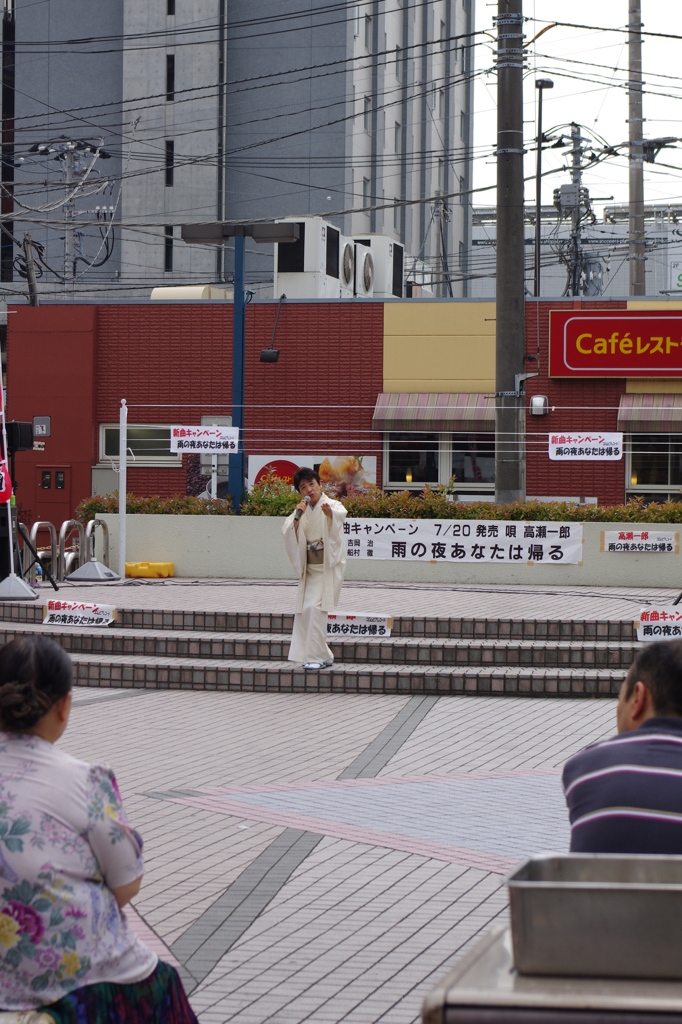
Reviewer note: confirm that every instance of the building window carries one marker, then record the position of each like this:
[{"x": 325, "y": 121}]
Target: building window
[
  {"x": 367, "y": 114},
  {"x": 413, "y": 460},
  {"x": 168, "y": 248},
  {"x": 462, "y": 192},
  {"x": 170, "y": 7},
  {"x": 368, "y": 33},
  {"x": 397, "y": 138},
  {"x": 356, "y": 20},
  {"x": 473, "y": 459},
  {"x": 366, "y": 194},
  {"x": 396, "y": 216},
  {"x": 654, "y": 467},
  {"x": 443, "y": 39},
  {"x": 463, "y": 125},
  {"x": 441, "y": 103},
  {"x": 147, "y": 442},
  {"x": 398, "y": 63},
  {"x": 441, "y": 174},
  {"x": 169, "y": 162},
  {"x": 170, "y": 77}
]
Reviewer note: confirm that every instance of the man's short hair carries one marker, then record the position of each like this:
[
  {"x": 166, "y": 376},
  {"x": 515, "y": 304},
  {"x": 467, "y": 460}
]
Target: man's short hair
[
  {"x": 659, "y": 667},
  {"x": 305, "y": 473}
]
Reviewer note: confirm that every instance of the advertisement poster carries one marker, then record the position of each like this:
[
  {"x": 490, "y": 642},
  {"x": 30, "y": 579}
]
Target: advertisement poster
[{"x": 340, "y": 475}]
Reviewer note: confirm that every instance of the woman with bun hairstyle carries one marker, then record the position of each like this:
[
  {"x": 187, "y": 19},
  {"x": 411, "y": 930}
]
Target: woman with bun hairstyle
[{"x": 69, "y": 862}]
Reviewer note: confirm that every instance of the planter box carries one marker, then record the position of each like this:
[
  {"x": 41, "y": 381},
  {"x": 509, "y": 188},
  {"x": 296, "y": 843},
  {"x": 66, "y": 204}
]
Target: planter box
[{"x": 251, "y": 547}]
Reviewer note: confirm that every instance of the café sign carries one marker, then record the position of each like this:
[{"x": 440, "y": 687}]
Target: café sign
[{"x": 621, "y": 343}]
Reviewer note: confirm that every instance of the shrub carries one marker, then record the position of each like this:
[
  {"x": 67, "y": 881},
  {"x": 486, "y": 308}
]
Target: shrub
[
  {"x": 271, "y": 496},
  {"x": 177, "y": 505}
]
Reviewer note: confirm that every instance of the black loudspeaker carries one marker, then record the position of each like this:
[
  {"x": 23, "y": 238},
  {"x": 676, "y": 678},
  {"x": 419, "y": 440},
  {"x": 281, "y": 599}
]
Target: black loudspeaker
[{"x": 19, "y": 436}]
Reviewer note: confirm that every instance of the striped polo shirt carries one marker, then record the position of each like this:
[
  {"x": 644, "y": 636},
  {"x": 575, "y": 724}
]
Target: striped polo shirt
[{"x": 625, "y": 795}]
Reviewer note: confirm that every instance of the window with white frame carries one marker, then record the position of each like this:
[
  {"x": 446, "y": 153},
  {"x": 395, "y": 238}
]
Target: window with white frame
[
  {"x": 148, "y": 443},
  {"x": 413, "y": 459},
  {"x": 653, "y": 466}
]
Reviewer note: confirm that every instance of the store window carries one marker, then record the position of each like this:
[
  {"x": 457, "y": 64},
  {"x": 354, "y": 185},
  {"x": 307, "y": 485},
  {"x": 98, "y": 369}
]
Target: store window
[
  {"x": 473, "y": 459},
  {"x": 654, "y": 466},
  {"x": 148, "y": 443},
  {"x": 412, "y": 460}
]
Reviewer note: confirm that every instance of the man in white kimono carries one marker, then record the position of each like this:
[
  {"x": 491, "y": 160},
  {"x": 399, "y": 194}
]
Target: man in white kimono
[{"x": 315, "y": 544}]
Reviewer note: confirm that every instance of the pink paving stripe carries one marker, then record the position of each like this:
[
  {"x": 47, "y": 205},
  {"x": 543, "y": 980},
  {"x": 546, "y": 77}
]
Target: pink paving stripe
[
  {"x": 406, "y": 844},
  {"x": 148, "y": 936},
  {"x": 384, "y": 780}
]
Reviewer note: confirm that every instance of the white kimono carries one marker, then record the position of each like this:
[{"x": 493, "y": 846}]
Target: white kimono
[{"x": 319, "y": 586}]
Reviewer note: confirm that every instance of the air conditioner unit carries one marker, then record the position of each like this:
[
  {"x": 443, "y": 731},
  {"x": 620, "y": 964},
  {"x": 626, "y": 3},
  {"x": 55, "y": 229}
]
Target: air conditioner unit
[
  {"x": 347, "y": 267},
  {"x": 389, "y": 259},
  {"x": 364, "y": 272},
  {"x": 419, "y": 279},
  {"x": 312, "y": 267}
]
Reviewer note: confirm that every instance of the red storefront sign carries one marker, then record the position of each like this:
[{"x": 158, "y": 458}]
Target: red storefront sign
[{"x": 627, "y": 343}]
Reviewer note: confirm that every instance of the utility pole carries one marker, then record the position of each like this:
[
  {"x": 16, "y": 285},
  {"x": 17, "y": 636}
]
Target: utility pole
[
  {"x": 540, "y": 84},
  {"x": 636, "y": 150},
  {"x": 576, "y": 260},
  {"x": 510, "y": 455},
  {"x": 33, "y": 298},
  {"x": 69, "y": 218}
]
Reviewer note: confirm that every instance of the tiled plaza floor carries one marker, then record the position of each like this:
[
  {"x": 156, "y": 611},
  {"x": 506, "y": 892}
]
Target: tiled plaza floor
[{"x": 326, "y": 857}]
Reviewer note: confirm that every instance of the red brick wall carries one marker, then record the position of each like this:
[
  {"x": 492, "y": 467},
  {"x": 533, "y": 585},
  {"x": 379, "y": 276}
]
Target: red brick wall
[
  {"x": 320, "y": 396},
  {"x": 574, "y": 405},
  {"x": 173, "y": 362}
]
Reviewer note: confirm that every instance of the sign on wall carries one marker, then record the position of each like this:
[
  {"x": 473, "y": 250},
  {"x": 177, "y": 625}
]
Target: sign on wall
[
  {"x": 594, "y": 446},
  {"x": 604, "y": 343},
  {"x": 641, "y": 541},
  {"x": 464, "y": 540},
  {"x": 204, "y": 439}
]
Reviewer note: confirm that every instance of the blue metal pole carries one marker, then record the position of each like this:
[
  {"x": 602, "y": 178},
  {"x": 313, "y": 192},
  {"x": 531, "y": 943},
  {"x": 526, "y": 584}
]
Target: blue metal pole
[{"x": 236, "y": 463}]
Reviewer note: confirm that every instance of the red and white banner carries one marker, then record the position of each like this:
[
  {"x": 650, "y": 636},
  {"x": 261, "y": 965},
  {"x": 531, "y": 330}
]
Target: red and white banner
[{"x": 5, "y": 482}]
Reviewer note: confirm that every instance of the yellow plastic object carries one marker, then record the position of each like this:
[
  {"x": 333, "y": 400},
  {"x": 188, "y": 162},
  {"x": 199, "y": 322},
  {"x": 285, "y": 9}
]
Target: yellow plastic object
[{"x": 150, "y": 570}]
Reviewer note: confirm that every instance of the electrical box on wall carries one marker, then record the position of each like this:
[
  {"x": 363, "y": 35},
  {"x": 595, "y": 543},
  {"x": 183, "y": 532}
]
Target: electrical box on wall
[{"x": 539, "y": 405}]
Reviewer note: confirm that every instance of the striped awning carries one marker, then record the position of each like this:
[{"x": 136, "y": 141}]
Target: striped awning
[
  {"x": 436, "y": 412},
  {"x": 650, "y": 413}
]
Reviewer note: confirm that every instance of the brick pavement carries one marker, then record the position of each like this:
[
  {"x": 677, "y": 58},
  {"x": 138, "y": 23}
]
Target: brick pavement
[{"x": 326, "y": 857}]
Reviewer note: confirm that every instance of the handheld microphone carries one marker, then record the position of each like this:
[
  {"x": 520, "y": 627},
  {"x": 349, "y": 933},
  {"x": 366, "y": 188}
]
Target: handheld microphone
[{"x": 299, "y": 511}]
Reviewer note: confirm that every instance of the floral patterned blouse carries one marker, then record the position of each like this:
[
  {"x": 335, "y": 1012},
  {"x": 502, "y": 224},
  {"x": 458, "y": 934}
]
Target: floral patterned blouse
[{"x": 64, "y": 841}]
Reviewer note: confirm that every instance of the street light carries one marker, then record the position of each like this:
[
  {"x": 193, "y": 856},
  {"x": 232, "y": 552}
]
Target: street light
[
  {"x": 540, "y": 84},
  {"x": 218, "y": 233}
]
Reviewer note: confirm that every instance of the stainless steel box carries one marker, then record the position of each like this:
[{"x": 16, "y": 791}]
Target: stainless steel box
[{"x": 597, "y": 915}]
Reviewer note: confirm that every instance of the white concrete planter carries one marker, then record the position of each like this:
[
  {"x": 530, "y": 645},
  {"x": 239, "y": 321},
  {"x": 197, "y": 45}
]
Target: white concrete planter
[{"x": 251, "y": 547}]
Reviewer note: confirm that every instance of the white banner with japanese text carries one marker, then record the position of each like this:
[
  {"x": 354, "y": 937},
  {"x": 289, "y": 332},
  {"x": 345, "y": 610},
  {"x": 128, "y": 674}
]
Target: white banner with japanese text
[
  {"x": 204, "y": 439},
  {"x": 358, "y": 624},
  {"x": 595, "y": 446},
  {"x": 638, "y": 541},
  {"x": 664, "y": 622},
  {"x": 464, "y": 540},
  {"x": 78, "y": 613}
]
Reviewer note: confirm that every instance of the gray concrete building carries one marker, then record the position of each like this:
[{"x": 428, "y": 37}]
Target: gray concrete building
[{"x": 127, "y": 119}]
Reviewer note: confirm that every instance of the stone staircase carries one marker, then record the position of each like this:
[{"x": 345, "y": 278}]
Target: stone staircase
[{"x": 424, "y": 655}]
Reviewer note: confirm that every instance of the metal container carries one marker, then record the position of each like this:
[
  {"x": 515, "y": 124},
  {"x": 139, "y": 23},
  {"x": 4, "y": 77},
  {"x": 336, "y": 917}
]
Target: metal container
[{"x": 597, "y": 915}]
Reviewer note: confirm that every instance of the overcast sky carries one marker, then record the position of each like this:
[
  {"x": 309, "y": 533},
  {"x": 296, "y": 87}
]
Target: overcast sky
[{"x": 589, "y": 68}]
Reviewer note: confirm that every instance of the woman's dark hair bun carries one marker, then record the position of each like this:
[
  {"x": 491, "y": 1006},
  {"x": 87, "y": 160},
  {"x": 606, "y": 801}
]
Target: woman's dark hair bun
[{"x": 34, "y": 674}]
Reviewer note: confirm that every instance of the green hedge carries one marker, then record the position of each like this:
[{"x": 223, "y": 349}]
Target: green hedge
[
  {"x": 276, "y": 498},
  {"x": 178, "y": 505}
]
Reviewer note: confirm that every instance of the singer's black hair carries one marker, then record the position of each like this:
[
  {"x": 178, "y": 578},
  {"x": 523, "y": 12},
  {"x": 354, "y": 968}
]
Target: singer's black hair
[{"x": 305, "y": 473}]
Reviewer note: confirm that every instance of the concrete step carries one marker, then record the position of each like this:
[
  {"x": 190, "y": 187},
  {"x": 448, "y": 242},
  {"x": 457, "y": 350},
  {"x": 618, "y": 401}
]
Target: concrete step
[
  {"x": 133, "y": 672},
  {"x": 387, "y": 651},
  {"x": 428, "y": 627}
]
